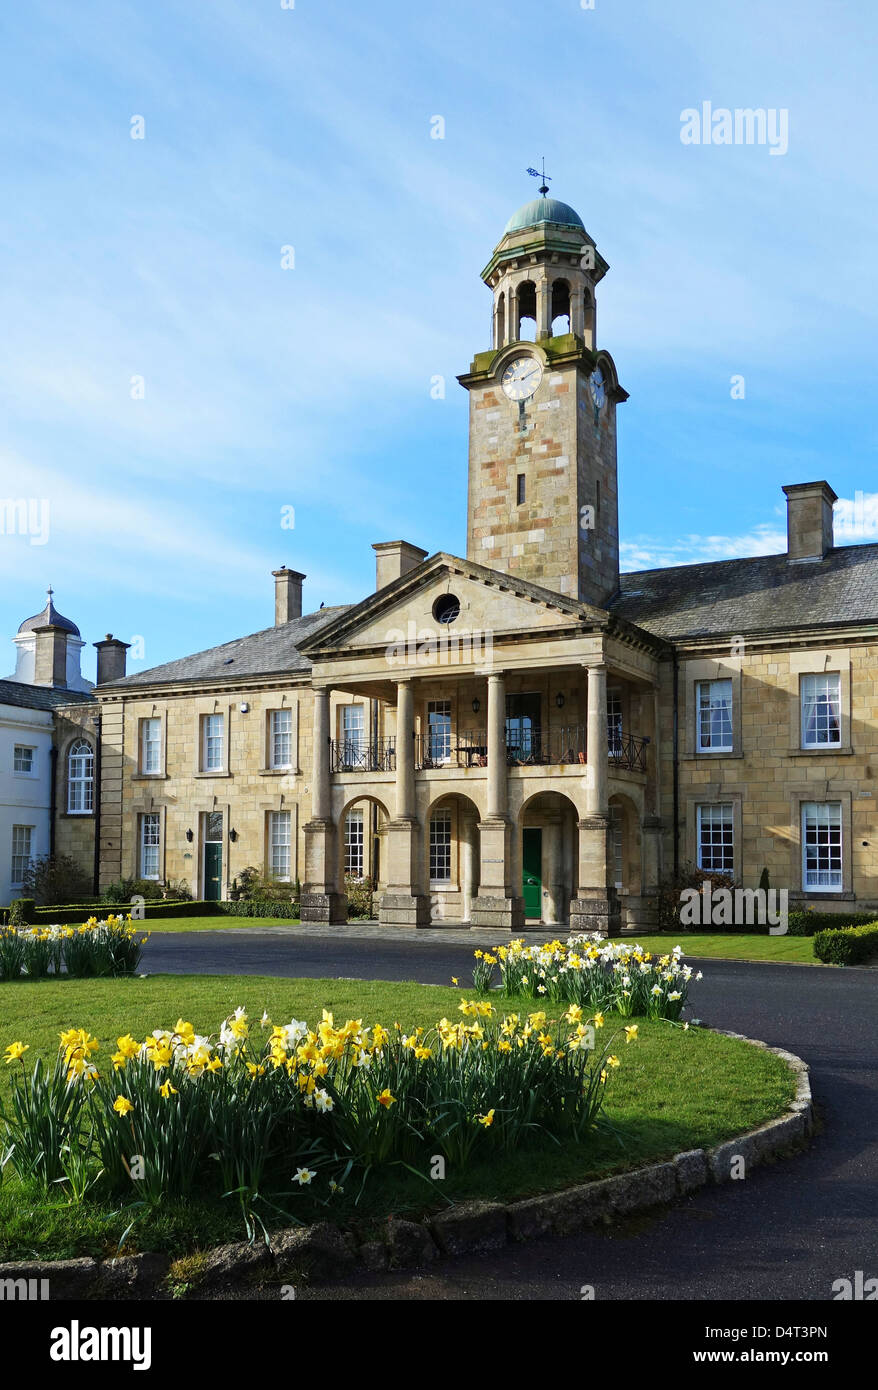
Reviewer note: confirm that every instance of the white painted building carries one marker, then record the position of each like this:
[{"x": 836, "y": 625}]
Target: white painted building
[{"x": 47, "y": 675}]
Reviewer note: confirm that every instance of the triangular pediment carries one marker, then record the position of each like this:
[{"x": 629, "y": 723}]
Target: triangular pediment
[{"x": 490, "y": 602}]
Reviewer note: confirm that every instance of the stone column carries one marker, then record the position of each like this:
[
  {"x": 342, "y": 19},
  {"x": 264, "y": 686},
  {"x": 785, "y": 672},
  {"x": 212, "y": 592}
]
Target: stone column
[
  {"x": 500, "y": 902},
  {"x": 595, "y": 907},
  {"x": 406, "y": 903},
  {"x": 512, "y": 314},
  {"x": 544, "y": 308},
  {"x": 577, "y": 310},
  {"x": 497, "y": 796},
  {"x": 321, "y": 899}
]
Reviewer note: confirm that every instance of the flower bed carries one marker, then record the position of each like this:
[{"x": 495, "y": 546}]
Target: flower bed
[
  {"x": 110, "y": 947},
  {"x": 591, "y": 972},
  {"x": 257, "y": 1114}
]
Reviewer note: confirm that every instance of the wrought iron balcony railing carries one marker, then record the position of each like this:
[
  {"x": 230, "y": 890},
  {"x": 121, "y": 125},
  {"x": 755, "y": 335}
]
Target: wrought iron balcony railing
[
  {"x": 469, "y": 748},
  {"x": 362, "y": 755}
]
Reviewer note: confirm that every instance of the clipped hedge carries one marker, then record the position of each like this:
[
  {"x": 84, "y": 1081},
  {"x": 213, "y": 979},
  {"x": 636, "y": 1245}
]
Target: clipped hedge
[
  {"x": 249, "y": 908},
  {"x": 847, "y": 945},
  {"x": 75, "y": 916},
  {"x": 806, "y": 922}
]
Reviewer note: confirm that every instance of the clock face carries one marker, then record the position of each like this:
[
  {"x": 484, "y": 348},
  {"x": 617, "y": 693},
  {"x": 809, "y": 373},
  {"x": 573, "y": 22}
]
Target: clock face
[
  {"x": 597, "y": 387},
  {"x": 522, "y": 378}
]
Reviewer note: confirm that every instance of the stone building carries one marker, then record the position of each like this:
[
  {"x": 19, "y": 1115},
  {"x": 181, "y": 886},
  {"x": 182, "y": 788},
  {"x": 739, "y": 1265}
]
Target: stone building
[{"x": 520, "y": 735}]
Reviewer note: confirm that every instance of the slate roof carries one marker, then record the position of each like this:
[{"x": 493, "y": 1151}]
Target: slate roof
[
  {"x": 763, "y": 593},
  {"x": 40, "y": 696},
  {"x": 273, "y": 651}
]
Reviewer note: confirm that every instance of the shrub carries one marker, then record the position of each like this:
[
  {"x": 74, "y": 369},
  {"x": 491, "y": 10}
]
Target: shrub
[
  {"x": 806, "y": 922},
  {"x": 56, "y": 878},
  {"x": 243, "y": 908},
  {"x": 252, "y": 885},
  {"x": 359, "y": 895},
  {"x": 668, "y": 897},
  {"x": 847, "y": 945},
  {"x": 123, "y": 890}
]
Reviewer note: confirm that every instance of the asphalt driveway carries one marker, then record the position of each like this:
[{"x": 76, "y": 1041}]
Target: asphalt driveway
[{"x": 787, "y": 1232}]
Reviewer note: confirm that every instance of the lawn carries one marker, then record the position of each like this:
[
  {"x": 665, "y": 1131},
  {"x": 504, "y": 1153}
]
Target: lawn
[
  {"x": 796, "y": 950},
  {"x": 218, "y": 923},
  {"x": 675, "y": 1090}
]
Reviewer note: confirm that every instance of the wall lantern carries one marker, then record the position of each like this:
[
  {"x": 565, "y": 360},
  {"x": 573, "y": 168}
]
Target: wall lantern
[
  {"x": 559, "y": 700},
  {"x": 190, "y": 836},
  {"x": 233, "y": 835},
  {"x": 477, "y": 705}
]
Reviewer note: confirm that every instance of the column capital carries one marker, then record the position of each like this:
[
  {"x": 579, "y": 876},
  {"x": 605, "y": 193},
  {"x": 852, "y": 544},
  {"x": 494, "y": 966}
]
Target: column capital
[{"x": 496, "y": 676}]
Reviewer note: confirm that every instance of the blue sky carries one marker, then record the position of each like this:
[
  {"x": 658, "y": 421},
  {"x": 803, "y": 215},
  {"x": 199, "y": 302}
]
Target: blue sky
[{"x": 266, "y": 388}]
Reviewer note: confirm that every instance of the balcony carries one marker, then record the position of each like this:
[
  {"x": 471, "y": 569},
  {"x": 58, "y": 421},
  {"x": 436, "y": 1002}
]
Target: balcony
[
  {"x": 524, "y": 748},
  {"x": 361, "y": 755}
]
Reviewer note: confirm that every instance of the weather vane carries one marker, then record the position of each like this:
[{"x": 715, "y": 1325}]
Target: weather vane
[{"x": 541, "y": 174}]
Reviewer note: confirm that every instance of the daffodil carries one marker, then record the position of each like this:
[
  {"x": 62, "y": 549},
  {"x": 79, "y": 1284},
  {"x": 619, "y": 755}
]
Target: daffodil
[
  {"x": 122, "y": 1105},
  {"x": 386, "y": 1099},
  {"x": 15, "y": 1051},
  {"x": 304, "y": 1176}
]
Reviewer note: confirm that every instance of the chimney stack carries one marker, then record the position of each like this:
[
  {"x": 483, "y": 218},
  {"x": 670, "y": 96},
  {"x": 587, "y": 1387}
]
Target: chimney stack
[
  {"x": 111, "y": 659},
  {"x": 50, "y": 656},
  {"x": 809, "y": 521},
  {"x": 393, "y": 559},
  {"x": 287, "y": 595}
]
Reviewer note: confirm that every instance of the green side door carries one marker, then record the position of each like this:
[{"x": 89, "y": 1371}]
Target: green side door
[
  {"x": 532, "y": 872},
  {"x": 213, "y": 871}
]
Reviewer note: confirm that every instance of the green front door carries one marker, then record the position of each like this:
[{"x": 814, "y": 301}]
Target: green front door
[
  {"x": 213, "y": 871},
  {"x": 532, "y": 872}
]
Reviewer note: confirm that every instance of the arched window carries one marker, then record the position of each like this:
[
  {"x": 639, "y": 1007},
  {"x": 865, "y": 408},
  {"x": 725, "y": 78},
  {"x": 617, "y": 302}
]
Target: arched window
[
  {"x": 80, "y": 778},
  {"x": 527, "y": 312},
  {"x": 561, "y": 321}
]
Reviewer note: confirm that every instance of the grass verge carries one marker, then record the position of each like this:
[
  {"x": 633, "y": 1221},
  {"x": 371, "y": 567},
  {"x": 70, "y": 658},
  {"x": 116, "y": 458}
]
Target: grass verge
[{"x": 676, "y": 1090}]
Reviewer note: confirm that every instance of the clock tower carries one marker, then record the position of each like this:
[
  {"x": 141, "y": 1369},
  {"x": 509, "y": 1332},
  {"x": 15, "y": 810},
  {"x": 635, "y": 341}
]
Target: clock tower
[{"x": 542, "y": 457}]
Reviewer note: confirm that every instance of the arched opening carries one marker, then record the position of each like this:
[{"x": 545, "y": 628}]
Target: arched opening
[
  {"x": 561, "y": 321},
  {"x": 527, "y": 312},
  {"x": 548, "y": 829},
  {"x": 361, "y": 829},
  {"x": 451, "y": 849},
  {"x": 500, "y": 320}
]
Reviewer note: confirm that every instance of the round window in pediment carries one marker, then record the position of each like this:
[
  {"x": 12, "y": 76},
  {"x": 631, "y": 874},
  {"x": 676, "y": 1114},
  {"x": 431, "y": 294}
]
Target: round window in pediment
[{"x": 446, "y": 609}]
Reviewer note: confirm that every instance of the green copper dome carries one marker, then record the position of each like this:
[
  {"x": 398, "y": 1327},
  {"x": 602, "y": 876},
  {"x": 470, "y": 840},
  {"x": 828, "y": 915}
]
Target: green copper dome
[{"x": 543, "y": 210}]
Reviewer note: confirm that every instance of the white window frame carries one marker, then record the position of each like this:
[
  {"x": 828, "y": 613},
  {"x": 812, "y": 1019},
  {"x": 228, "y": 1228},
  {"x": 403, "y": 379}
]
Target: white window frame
[
  {"x": 439, "y": 736},
  {"x": 826, "y": 817},
  {"x": 149, "y": 846},
  {"x": 80, "y": 778},
  {"x": 713, "y": 709},
  {"x": 22, "y": 853},
  {"x": 711, "y": 815},
  {"x": 355, "y": 843},
  {"x": 279, "y": 845},
  {"x": 150, "y": 745},
  {"x": 280, "y": 739},
  {"x": 818, "y": 705},
  {"x": 440, "y": 847},
  {"x": 211, "y": 741},
  {"x": 17, "y": 750},
  {"x": 614, "y": 721}
]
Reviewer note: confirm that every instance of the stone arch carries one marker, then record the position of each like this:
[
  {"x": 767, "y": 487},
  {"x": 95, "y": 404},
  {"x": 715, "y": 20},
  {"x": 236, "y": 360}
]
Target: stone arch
[
  {"x": 560, "y": 314},
  {"x": 555, "y": 815},
  {"x": 453, "y": 846},
  {"x": 526, "y": 311},
  {"x": 359, "y": 848}
]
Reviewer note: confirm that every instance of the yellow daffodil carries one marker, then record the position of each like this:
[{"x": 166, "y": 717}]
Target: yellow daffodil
[
  {"x": 630, "y": 1032},
  {"x": 486, "y": 1120},
  {"x": 122, "y": 1105},
  {"x": 15, "y": 1051},
  {"x": 386, "y": 1099}
]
